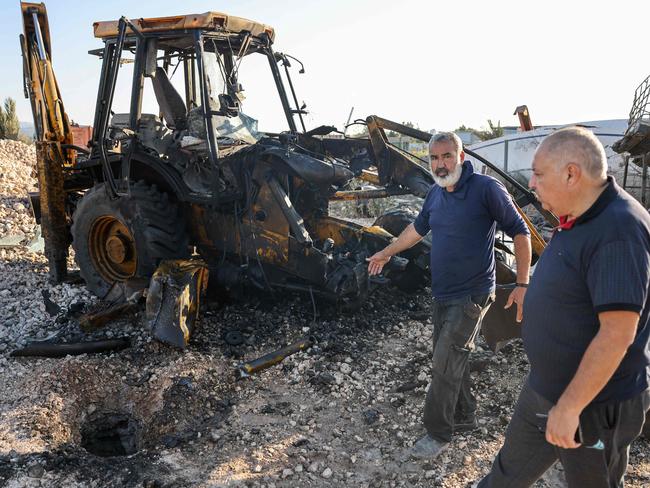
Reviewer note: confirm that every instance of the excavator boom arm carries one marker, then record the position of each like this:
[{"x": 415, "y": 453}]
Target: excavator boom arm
[
  {"x": 53, "y": 134},
  {"x": 50, "y": 119},
  {"x": 386, "y": 155}
]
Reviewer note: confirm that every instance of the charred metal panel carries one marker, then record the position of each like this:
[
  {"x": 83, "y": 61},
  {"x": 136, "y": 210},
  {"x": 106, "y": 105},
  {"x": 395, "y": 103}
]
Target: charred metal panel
[
  {"x": 213, "y": 232},
  {"x": 173, "y": 300},
  {"x": 293, "y": 218},
  {"x": 345, "y": 233},
  {"x": 264, "y": 228}
]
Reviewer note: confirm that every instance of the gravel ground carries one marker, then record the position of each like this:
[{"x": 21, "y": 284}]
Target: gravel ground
[{"x": 343, "y": 413}]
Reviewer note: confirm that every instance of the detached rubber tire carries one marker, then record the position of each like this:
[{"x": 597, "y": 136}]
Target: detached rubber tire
[
  {"x": 396, "y": 220},
  {"x": 413, "y": 278},
  {"x": 115, "y": 240}
]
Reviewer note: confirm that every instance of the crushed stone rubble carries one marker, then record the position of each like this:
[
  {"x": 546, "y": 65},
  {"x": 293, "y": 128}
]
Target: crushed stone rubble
[
  {"x": 17, "y": 178},
  {"x": 343, "y": 413}
]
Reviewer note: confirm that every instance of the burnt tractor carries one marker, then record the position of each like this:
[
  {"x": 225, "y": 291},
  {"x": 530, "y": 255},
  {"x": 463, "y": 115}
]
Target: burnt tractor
[{"x": 198, "y": 180}]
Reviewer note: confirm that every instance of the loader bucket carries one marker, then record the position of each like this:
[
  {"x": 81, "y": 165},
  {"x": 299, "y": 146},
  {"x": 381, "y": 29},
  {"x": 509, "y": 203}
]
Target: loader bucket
[{"x": 500, "y": 325}]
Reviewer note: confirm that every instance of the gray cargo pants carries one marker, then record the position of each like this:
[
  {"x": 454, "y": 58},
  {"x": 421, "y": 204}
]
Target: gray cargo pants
[
  {"x": 456, "y": 323},
  {"x": 526, "y": 455}
]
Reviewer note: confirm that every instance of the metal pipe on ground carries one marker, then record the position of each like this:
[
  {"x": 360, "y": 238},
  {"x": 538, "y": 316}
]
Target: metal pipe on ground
[
  {"x": 271, "y": 359},
  {"x": 58, "y": 350}
]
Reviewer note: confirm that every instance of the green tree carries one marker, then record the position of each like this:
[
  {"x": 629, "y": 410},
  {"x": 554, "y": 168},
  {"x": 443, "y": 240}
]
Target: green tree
[
  {"x": 471, "y": 130},
  {"x": 3, "y": 129},
  {"x": 492, "y": 132},
  {"x": 9, "y": 125}
]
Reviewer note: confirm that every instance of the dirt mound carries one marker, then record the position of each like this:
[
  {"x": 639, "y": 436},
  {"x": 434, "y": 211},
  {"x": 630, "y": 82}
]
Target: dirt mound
[
  {"x": 17, "y": 178},
  {"x": 17, "y": 168},
  {"x": 23, "y": 315}
]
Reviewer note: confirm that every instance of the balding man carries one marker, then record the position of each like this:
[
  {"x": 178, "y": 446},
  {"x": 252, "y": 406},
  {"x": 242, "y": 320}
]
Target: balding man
[
  {"x": 585, "y": 326},
  {"x": 462, "y": 211}
]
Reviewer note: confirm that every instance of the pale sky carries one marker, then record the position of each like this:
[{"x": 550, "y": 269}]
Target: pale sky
[{"x": 437, "y": 64}]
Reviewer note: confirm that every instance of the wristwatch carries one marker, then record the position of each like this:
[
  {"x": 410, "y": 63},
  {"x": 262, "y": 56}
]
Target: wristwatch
[{"x": 522, "y": 285}]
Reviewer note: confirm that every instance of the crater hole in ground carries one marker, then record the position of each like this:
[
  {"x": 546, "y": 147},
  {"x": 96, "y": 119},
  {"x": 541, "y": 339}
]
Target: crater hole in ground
[{"x": 111, "y": 434}]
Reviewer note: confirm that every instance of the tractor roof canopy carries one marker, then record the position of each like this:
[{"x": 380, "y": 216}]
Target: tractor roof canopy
[{"x": 209, "y": 21}]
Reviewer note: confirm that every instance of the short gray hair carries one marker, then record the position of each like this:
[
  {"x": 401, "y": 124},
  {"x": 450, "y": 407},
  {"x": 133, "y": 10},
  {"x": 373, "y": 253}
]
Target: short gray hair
[
  {"x": 582, "y": 146},
  {"x": 446, "y": 137}
]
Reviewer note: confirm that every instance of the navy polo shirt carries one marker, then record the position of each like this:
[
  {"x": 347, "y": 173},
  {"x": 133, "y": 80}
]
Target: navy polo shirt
[
  {"x": 600, "y": 264},
  {"x": 463, "y": 224}
]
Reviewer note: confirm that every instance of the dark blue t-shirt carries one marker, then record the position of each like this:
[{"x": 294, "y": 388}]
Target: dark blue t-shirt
[
  {"x": 601, "y": 264},
  {"x": 462, "y": 225}
]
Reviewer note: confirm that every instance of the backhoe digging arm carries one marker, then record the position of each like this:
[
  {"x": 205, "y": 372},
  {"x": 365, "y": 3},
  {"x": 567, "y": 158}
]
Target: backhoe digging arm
[
  {"x": 394, "y": 165},
  {"x": 53, "y": 135}
]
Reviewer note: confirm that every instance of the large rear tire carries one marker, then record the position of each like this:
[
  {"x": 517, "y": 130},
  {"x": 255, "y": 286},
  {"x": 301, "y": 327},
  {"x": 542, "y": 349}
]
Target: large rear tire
[
  {"x": 413, "y": 278},
  {"x": 115, "y": 240}
]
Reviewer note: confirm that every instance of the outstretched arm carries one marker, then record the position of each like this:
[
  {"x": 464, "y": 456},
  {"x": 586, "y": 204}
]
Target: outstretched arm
[{"x": 407, "y": 239}]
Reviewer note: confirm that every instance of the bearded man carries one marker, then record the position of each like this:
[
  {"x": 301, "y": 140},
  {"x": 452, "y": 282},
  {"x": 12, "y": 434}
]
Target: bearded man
[{"x": 462, "y": 212}]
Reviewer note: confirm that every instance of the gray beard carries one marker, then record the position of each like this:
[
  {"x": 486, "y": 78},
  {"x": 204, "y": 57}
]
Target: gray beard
[{"x": 449, "y": 180}]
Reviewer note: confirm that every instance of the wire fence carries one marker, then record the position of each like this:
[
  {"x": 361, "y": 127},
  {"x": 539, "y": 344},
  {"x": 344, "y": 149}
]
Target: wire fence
[{"x": 640, "y": 106}]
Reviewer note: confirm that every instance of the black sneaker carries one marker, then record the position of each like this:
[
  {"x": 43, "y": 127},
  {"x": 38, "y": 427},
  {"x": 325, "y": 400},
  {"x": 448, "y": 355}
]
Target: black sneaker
[{"x": 465, "y": 424}]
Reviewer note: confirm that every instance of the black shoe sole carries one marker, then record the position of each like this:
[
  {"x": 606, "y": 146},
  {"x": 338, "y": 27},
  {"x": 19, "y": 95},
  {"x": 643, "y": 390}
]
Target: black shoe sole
[{"x": 465, "y": 427}]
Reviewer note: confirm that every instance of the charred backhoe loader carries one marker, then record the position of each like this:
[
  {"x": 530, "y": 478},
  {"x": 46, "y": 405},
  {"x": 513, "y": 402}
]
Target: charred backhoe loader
[{"x": 198, "y": 179}]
